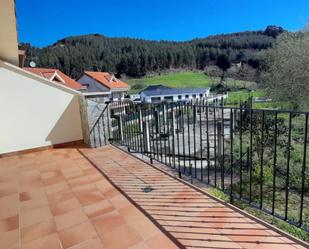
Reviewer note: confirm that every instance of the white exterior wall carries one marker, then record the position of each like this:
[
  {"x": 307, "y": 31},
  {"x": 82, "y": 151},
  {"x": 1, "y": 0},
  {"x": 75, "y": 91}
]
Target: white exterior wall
[
  {"x": 147, "y": 99},
  {"x": 35, "y": 112}
]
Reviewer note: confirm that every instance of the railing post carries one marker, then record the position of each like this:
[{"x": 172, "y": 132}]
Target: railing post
[
  {"x": 120, "y": 129},
  {"x": 173, "y": 124},
  {"x": 140, "y": 120},
  {"x": 156, "y": 116},
  {"x": 173, "y": 133},
  {"x": 146, "y": 136},
  {"x": 220, "y": 141},
  {"x": 109, "y": 123}
]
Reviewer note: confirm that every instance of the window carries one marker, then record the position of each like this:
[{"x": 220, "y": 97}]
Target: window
[
  {"x": 168, "y": 98},
  {"x": 179, "y": 97},
  {"x": 194, "y": 96},
  {"x": 156, "y": 99},
  {"x": 187, "y": 96},
  {"x": 201, "y": 95}
]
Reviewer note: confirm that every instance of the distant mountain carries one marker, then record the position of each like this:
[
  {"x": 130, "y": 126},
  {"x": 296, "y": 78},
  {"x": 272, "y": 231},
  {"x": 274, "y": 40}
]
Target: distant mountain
[{"x": 136, "y": 57}]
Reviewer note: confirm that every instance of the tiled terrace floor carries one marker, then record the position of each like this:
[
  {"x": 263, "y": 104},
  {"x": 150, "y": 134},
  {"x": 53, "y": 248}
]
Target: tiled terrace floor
[
  {"x": 192, "y": 218},
  {"x": 56, "y": 199}
]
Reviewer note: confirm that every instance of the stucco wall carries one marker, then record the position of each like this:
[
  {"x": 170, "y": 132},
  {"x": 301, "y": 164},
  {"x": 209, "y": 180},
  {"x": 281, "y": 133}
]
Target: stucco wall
[
  {"x": 35, "y": 112},
  {"x": 147, "y": 99}
]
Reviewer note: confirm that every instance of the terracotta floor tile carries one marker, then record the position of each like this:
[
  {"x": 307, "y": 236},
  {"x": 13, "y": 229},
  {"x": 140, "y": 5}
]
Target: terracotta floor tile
[
  {"x": 121, "y": 237},
  {"x": 33, "y": 204},
  {"x": 54, "y": 180},
  {"x": 8, "y": 206},
  {"x": 31, "y": 183},
  {"x": 105, "y": 222},
  {"x": 160, "y": 241},
  {"x": 111, "y": 193},
  {"x": 58, "y": 208},
  {"x": 8, "y": 224},
  {"x": 73, "y": 174},
  {"x": 90, "y": 244},
  {"x": 48, "y": 242},
  {"x": 79, "y": 181},
  {"x": 89, "y": 197},
  {"x": 119, "y": 201},
  {"x": 84, "y": 188},
  {"x": 77, "y": 234},
  {"x": 32, "y": 194},
  {"x": 98, "y": 208},
  {"x": 131, "y": 213},
  {"x": 60, "y": 196},
  {"x": 145, "y": 228},
  {"x": 37, "y": 215},
  {"x": 70, "y": 218},
  {"x": 7, "y": 188},
  {"x": 62, "y": 186},
  {"x": 9, "y": 240},
  {"x": 38, "y": 230},
  {"x": 141, "y": 245},
  {"x": 103, "y": 185},
  {"x": 50, "y": 174},
  {"x": 57, "y": 187}
]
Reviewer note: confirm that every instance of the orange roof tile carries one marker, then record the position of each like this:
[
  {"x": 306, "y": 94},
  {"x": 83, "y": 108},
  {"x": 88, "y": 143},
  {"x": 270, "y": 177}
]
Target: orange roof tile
[
  {"x": 48, "y": 73},
  {"x": 107, "y": 79}
]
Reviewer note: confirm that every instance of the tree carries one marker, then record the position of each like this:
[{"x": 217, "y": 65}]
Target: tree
[
  {"x": 224, "y": 64},
  {"x": 137, "y": 57},
  {"x": 273, "y": 31},
  {"x": 286, "y": 74}
]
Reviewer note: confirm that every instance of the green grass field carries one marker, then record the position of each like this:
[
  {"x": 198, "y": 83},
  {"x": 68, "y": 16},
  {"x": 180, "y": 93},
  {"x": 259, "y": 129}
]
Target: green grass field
[
  {"x": 182, "y": 79},
  {"x": 186, "y": 79},
  {"x": 240, "y": 90}
]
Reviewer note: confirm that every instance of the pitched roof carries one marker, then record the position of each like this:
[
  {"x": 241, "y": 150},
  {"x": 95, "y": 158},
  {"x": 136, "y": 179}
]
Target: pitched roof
[
  {"x": 175, "y": 91},
  {"x": 50, "y": 74},
  {"x": 156, "y": 88},
  {"x": 108, "y": 80}
]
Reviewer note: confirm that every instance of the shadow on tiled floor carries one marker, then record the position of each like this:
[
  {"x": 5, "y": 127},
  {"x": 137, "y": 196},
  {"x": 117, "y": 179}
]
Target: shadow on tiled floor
[{"x": 194, "y": 219}]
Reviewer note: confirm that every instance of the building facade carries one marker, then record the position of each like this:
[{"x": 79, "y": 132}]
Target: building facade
[
  {"x": 102, "y": 83},
  {"x": 159, "y": 93}
]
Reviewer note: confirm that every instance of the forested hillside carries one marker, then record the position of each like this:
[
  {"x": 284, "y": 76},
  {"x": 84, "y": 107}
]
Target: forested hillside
[{"x": 136, "y": 57}]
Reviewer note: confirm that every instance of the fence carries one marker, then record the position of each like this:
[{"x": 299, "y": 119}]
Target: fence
[{"x": 256, "y": 156}]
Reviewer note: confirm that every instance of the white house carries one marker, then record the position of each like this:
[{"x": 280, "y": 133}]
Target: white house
[
  {"x": 102, "y": 83},
  {"x": 159, "y": 93}
]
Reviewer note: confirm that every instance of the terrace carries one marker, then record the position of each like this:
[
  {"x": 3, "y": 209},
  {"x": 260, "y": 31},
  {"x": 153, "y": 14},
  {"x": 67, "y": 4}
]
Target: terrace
[
  {"x": 55, "y": 196},
  {"x": 123, "y": 182},
  {"x": 100, "y": 198}
]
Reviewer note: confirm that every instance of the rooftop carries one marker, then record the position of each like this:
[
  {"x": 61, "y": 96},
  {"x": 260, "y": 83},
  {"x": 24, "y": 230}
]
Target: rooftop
[
  {"x": 98, "y": 198},
  {"x": 57, "y": 76},
  {"x": 106, "y": 79},
  {"x": 158, "y": 90}
]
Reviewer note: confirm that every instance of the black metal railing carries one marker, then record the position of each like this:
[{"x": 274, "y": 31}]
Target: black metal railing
[
  {"x": 256, "y": 156},
  {"x": 100, "y": 131}
]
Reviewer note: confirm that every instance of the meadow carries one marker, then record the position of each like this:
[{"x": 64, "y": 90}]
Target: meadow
[{"x": 187, "y": 79}]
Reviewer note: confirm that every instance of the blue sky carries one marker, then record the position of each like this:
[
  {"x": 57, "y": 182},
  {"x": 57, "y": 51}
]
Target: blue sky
[{"x": 43, "y": 22}]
